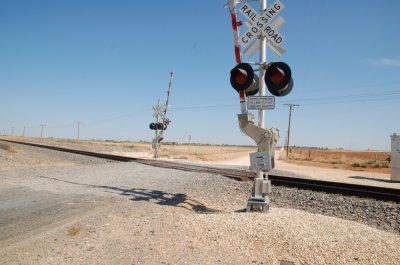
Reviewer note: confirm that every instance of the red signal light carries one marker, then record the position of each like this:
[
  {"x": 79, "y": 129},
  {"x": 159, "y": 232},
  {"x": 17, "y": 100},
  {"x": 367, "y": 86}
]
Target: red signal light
[
  {"x": 240, "y": 77},
  {"x": 278, "y": 78},
  {"x": 158, "y": 126},
  {"x": 244, "y": 79}
]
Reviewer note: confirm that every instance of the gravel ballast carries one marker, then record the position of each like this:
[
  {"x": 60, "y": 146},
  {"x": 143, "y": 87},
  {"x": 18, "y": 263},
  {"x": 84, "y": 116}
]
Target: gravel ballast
[{"x": 162, "y": 216}]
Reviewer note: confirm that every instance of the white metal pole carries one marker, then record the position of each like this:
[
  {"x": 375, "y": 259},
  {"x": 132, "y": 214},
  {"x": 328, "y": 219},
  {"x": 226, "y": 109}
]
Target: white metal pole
[{"x": 263, "y": 59}]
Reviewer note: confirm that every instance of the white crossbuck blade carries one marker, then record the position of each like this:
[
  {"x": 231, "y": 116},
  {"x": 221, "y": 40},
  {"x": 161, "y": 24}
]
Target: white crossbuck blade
[
  {"x": 158, "y": 110},
  {"x": 261, "y": 24},
  {"x": 239, "y": 2},
  {"x": 251, "y": 49}
]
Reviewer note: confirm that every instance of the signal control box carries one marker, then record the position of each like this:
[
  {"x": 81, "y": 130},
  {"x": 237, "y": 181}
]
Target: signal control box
[{"x": 261, "y": 161}]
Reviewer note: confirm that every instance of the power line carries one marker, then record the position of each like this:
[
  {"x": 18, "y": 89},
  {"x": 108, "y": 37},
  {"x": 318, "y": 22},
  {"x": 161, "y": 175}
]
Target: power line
[
  {"x": 352, "y": 98},
  {"x": 203, "y": 108},
  {"x": 380, "y": 96}
]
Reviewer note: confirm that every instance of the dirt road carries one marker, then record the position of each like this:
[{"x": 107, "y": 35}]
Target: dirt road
[
  {"x": 25, "y": 212},
  {"x": 64, "y": 209}
]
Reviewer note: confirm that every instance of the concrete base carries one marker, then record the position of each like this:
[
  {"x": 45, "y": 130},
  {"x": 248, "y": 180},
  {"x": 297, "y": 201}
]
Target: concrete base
[{"x": 258, "y": 203}]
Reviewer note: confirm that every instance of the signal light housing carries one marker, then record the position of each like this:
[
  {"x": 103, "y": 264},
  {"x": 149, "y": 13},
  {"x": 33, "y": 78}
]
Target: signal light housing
[
  {"x": 158, "y": 126},
  {"x": 244, "y": 79},
  {"x": 278, "y": 78}
]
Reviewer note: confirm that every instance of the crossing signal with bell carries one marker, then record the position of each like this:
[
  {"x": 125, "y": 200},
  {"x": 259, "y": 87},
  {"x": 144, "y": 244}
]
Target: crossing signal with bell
[{"x": 278, "y": 79}]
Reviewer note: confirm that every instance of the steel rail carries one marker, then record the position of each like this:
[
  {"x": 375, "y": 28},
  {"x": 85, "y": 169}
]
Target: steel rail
[
  {"x": 231, "y": 173},
  {"x": 364, "y": 191}
]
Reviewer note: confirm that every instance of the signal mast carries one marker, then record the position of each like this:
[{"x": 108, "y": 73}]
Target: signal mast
[
  {"x": 262, "y": 30},
  {"x": 162, "y": 122}
]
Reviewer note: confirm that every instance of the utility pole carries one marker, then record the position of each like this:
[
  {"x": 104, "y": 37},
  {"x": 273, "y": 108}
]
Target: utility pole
[
  {"x": 23, "y": 132},
  {"x": 12, "y": 131},
  {"x": 79, "y": 123},
  {"x": 41, "y": 131},
  {"x": 288, "y": 131}
]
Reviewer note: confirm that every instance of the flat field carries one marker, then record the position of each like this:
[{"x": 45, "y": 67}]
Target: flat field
[
  {"x": 371, "y": 161},
  {"x": 374, "y": 161}
]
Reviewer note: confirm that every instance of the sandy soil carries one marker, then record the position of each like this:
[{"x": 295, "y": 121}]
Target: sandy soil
[{"x": 154, "y": 218}]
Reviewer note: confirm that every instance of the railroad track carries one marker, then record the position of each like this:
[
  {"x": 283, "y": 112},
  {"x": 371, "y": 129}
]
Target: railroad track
[{"x": 380, "y": 193}]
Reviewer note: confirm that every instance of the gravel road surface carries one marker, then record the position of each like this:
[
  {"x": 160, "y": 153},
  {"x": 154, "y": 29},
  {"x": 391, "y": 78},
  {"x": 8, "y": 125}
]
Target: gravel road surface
[{"x": 92, "y": 211}]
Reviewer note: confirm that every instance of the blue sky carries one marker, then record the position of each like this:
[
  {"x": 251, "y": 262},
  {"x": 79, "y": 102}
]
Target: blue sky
[{"x": 106, "y": 63}]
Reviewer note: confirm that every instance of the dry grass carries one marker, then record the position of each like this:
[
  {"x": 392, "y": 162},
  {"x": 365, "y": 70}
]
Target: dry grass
[
  {"x": 133, "y": 146},
  {"x": 340, "y": 159},
  {"x": 74, "y": 229},
  {"x": 204, "y": 152},
  {"x": 7, "y": 148},
  {"x": 193, "y": 152},
  {"x": 357, "y": 160}
]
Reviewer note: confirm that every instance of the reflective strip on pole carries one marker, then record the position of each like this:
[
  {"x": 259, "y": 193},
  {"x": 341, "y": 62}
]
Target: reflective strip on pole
[
  {"x": 168, "y": 93},
  {"x": 232, "y": 8}
]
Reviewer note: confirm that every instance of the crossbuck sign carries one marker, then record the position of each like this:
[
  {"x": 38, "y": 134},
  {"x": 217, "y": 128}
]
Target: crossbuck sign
[
  {"x": 158, "y": 110},
  {"x": 261, "y": 24}
]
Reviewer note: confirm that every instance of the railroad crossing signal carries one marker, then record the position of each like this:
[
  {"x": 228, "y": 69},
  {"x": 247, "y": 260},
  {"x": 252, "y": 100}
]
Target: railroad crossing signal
[
  {"x": 261, "y": 29},
  {"x": 160, "y": 113}
]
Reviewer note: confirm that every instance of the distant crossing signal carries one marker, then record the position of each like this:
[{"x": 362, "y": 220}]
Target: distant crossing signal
[{"x": 158, "y": 126}]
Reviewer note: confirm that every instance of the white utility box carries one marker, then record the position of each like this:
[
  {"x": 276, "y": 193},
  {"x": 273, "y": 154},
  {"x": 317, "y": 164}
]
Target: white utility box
[
  {"x": 395, "y": 158},
  {"x": 261, "y": 161}
]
